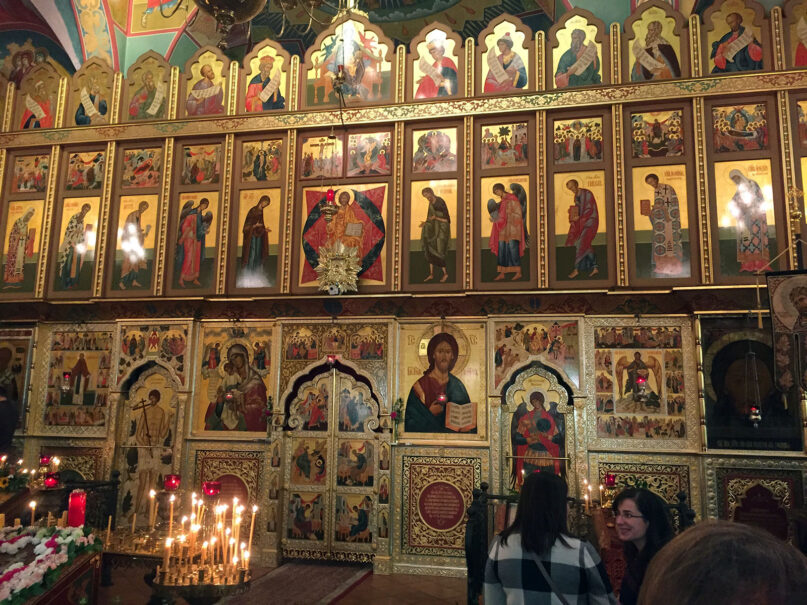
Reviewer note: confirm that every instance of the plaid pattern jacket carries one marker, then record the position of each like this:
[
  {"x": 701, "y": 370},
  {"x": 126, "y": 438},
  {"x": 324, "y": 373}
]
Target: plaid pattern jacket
[{"x": 512, "y": 577}]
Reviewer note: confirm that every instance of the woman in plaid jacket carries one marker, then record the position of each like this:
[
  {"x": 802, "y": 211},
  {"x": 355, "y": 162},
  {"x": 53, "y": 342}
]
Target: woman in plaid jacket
[{"x": 536, "y": 561}]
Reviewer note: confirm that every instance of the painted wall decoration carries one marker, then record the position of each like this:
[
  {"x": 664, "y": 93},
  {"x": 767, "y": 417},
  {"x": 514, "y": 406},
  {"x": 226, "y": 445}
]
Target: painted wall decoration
[
  {"x": 233, "y": 383},
  {"x": 147, "y": 89},
  {"x": 38, "y": 96},
  {"x": 206, "y": 85},
  {"x": 639, "y": 383},
  {"x": 16, "y": 345},
  {"x": 435, "y": 67},
  {"x": 261, "y": 160},
  {"x": 359, "y": 223},
  {"x": 578, "y": 140},
  {"x": 321, "y": 157},
  {"x": 577, "y": 60},
  {"x": 309, "y": 461},
  {"x": 369, "y": 154},
  {"x": 134, "y": 242},
  {"x": 266, "y": 80},
  {"x": 355, "y": 463},
  {"x": 306, "y": 515},
  {"x": 656, "y": 48},
  {"x": 441, "y": 382},
  {"x": 22, "y": 245},
  {"x": 434, "y": 150},
  {"x": 796, "y": 25},
  {"x": 740, "y": 371},
  {"x": 77, "y": 235},
  {"x": 581, "y": 225},
  {"x": 657, "y": 134},
  {"x": 196, "y": 240},
  {"x": 78, "y": 379},
  {"x": 166, "y": 344},
  {"x": 437, "y": 493},
  {"x": 661, "y": 222},
  {"x": 433, "y": 208},
  {"x": 91, "y": 94},
  {"x": 311, "y": 408},
  {"x": 505, "y": 236},
  {"x": 504, "y": 68},
  {"x": 740, "y": 127},
  {"x": 142, "y": 167},
  {"x": 258, "y": 238},
  {"x": 30, "y": 173},
  {"x": 201, "y": 164},
  {"x": 148, "y": 434},
  {"x": 552, "y": 341},
  {"x": 747, "y": 225},
  {"x": 363, "y": 58},
  {"x": 85, "y": 171},
  {"x": 353, "y": 513},
  {"x": 734, "y": 41},
  {"x": 19, "y": 58},
  {"x": 505, "y": 145}
]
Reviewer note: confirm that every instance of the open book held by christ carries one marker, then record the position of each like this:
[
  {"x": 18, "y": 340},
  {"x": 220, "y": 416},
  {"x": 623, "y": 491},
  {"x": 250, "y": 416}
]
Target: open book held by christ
[{"x": 460, "y": 417}]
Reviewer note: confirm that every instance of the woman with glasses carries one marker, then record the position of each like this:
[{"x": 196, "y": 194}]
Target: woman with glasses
[
  {"x": 535, "y": 558},
  {"x": 643, "y": 524}
]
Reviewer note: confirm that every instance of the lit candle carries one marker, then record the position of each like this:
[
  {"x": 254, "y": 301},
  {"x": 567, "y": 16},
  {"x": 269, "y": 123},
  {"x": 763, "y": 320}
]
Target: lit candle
[
  {"x": 76, "y": 508},
  {"x": 602, "y": 488},
  {"x": 229, "y": 541},
  {"x": 252, "y": 525},
  {"x": 213, "y": 541},
  {"x": 585, "y": 497},
  {"x": 32, "y": 504},
  {"x": 246, "y": 559},
  {"x": 171, "y": 516},
  {"x": 134, "y": 520},
  {"x": 167, "y": 554},
  {"x": 588, "y": 487},
  {"x": 56, "y": 462},
  {"x": 152, "y": 511}
]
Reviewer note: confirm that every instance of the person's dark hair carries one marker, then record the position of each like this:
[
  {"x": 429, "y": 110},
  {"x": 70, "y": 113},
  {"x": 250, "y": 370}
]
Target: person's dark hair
[
  {"x": 541, "y": 513},
  {"x": 723, "y": 563},
  {"x": 655, "y": 512},
  {"x": 436, "y": 340}
]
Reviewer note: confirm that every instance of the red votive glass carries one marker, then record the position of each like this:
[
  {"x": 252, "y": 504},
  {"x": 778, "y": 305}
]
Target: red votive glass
[
  {"x": 171, "y": 482},
  {"x": 211, "y": 488},
  {"x": 51, "y": 480},
  {"x": 610, "y": 480},
  {"x": 331, "y": 359},
  {"x": 76, "y": 508},
  {"x": 44, "y": 460},
  {"x": 442, "y": 398},
  {"x": 330, "y": 195}
]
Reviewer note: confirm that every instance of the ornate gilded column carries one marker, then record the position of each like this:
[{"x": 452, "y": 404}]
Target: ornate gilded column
[
  {"x": 103, "y": 221},
  {"x": 619, "y": 197},
  {"x": 701, "y": 382},
  {"x": 468, "y": 201},
  {"x": 8, "y": 109},
  {"x": 702, "y": 190},
  {"x": 615, "y": 46},
  {"x": 117, "y": 90},
  {"x": 540, "y": 55},
  {"x": 400, "y": 74},
  {"x": 47, "y": 220},
  {"x": 160, "y": 240},
  {"x": 470, "y": 48},
  {"x": 232, "y": 93},
  {"x": 397, "y": 205},
  {"x": 778, "y": 38},
  {"x": 788, "y": 176},
  {"x": 60, "y": 103},
  {"x": 226, "y": 209},
  {"x": 294, "y": 87},
  {"x": 695, "y": 46},
  {"x": 285, "y": 281},
  {"x": 542, "y": 200},
  {"x": 173, "y": 99}
]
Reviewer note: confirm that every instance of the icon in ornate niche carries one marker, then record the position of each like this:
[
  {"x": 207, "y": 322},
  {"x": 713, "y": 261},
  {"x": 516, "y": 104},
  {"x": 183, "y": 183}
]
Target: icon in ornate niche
[
  {"x": 76, "y": 254},
  {"x": 508, "y": 221},
  {"x": 436, "y": 73},
  {"x": 506, "y": 67},
  {"x": 435, "y": 150},
  {"x": 309, "y": 462},
  {"x": 578, "y": 140},
  {"x": 30, "y": 173},
  {"x": 40, "y": 91},
  {"x": 22, "y": 243},
  {"x": 257, "y": 262},
  {"x": 538, "y": 435},
  {"x": 134, "y": 250},
  {"x": 195, "y": 252},
  {"x": 142, "y": 167},
  {"x": 504, "y": 145},
  {"x": 369, "y": 154},
  {"x": 206, "y": 97},
  {"x": 580, "y": 64},
  {"x": 306, "y": 517},
  {"x": 353, "y": 518},
  {"x": 355, "y": 463},
  {"x": 438, "y": 401},
  {"x": 433, "y": 204},
  {"x": 264, "y": 88},
  {"x": 657, "y": 134},
  {"x": 85, "y": 170},
  {"x": 261, "y": 160},
  {"x": 656, "y": 57},
  {"x": 738, "y": 49},
  {"x": 148, "y": 101},
  {"x": 93, "y": 106},
  {"x": 740, "y": 127}
]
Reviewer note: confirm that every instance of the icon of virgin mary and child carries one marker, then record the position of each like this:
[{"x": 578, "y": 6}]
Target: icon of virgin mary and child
[{"x": 240, "y": 398}]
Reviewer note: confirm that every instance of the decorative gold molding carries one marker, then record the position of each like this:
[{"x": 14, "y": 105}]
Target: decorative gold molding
[
  {"x": 173, "y": 101},
  {"x": 470, "y": 66},
  {"x": 103, "y": 221},
  {"x": 117, "y": 90},
  {"x": 695, "y": 46},
  {"x": 702, "y": 183},
  {"x": 47, "y": 221},
  {"x": 60, "y": 103},
  {"x": 540, "y": 53},
  {"x": 542, "y": 200},
  {"x": 778, "y": 38},
  {"x": 701, "y": 380},
  {"x": 226, "y": 210},
  {"x": 788, "y": 174},
  {"x": 397, "y": 202},
  {"x": 232, "y": 91},
  {"x": 619, "y": 197},
  {"x": 160, "y": 243},
  {"x": 616, "y": 47},
  {"x": 294, "y": 87},
  {"x": 291, "y": 192},
  {"x": 400, "y": 74},
  {"x": 468, "y": 200},
  {"x": 8, "y": 110}
]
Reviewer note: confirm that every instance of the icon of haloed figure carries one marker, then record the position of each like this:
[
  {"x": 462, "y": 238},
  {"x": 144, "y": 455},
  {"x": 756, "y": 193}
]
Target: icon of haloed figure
[{"x": 436, "y": 390}]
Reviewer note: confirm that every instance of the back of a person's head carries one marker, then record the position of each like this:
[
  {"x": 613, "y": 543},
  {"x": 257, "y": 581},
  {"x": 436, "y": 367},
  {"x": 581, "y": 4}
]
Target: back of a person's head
[
  {"x": 724, "y": 563},
  {"x": 654, "y": 509},
  {"x": 541, "y": 513}
]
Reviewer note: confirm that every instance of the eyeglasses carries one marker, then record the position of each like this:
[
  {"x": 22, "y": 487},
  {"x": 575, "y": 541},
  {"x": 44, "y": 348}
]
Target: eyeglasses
[{"x": 627, "y": 515}]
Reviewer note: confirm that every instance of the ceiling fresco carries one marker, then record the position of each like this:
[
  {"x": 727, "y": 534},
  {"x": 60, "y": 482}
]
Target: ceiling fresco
[{"x": 67, "y": 32}]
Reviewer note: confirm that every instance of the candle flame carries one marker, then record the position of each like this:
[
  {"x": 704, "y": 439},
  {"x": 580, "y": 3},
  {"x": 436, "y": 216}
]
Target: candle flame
[
  {"x": 246, "y": 555},
  {"x": 172, "y": 498},
  {"x": 254, "y": 508},
  {"x": 32, "y": 504},
  {"x": 169, "y": 542},
  {"x": 152, "y": 493}
]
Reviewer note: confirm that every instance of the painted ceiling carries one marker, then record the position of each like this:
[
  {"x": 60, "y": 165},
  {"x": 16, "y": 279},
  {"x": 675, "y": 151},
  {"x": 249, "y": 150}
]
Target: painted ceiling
[{"x": 67, "y": 32}]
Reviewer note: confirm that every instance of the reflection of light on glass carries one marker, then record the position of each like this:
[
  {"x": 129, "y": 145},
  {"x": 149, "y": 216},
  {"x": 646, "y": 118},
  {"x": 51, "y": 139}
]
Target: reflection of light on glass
[
  {"x": 725, "y": 221},
  {"x": 91, "y": 238},
  {"x": 436, "y": 35},
  {"x": 767, "y": 191},
  {"x": 81, "y": 248}
]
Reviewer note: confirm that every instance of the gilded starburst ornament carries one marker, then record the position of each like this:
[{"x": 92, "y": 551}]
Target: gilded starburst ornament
[{"x": 338, "y": 268}]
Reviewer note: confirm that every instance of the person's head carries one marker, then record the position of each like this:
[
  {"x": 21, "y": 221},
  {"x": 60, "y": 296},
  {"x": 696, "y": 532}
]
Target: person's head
[
  {"x": 541, "y": 513},
  {"x": 578, "y": 37},
  {"x": 653, "y": 30},
  {"x": 572, "y": 185},
  {"x": 203, "y": 203},
  {"x": 436, "y": 50},
  {"x": 344, "y": 198},
  {"x": 428, "y": 193},
  {"x": 498, "y": 189},
  {"x": 537, "y": 399},
  {"x": 85, "y": 209},
  {"x": 442, "y": 352},
  {"x": 734, "y": 21},
  {"x": 40, "y": 92},
  {"x": 652, "y": 180},
  {"x": 267, "y": 63},
  {"x": 263, "y": 203},
  {"x": 142, "y": 207},
  {"x": 798, "y": 296},
  {"x": 642, "y": 521},
  {"x": 724, "y": 563},
  {"x": 148, "y": 80},
  {"x": 737, "y": 176},
  {"x": 154, "y": 395},
  {"x": 237, "y": 356},
  {"x": 505, "y": 43},
  {"x": 637, "y": 356},
  {"x": 207, "y": 72}
]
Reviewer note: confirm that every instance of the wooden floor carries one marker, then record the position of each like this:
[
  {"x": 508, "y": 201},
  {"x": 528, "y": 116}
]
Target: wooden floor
[{"x": 400, "y": 589}]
